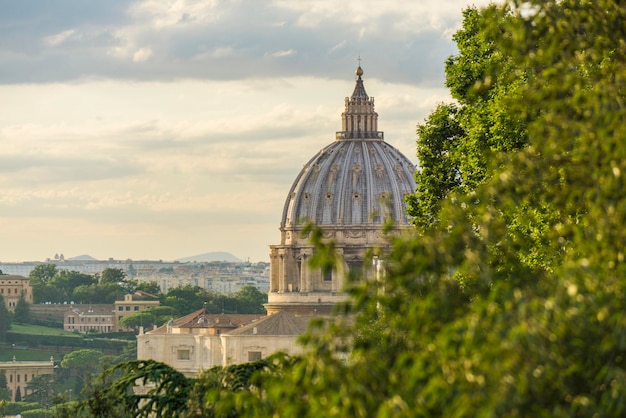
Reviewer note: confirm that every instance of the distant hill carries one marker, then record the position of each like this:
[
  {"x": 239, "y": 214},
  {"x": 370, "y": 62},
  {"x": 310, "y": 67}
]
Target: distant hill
[
  {"x": 83, "y": 257},
  {"x": 208, "y": 257}
]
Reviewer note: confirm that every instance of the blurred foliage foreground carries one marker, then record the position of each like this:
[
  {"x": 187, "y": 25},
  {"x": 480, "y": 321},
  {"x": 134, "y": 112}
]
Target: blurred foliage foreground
[{"x": 510, "y": 299}]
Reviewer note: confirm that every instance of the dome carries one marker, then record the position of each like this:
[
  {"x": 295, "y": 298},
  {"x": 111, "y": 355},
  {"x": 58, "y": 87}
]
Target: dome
[
  {"x": 350, "y": 189},
  {"x": 351, "y": 182}
]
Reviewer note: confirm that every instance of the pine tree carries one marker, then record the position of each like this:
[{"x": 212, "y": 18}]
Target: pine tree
[{"x": 21, "y": 314}]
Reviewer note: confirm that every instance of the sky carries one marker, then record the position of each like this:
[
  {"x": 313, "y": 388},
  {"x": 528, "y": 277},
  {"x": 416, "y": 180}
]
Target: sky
[{"x": 162, "y": 129}]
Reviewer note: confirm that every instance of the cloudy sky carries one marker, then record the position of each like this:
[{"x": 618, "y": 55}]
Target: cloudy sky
[{"x": 160, "y": 129}]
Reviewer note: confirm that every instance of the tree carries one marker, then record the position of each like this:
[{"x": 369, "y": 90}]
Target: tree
[
  {"x": 66, "y": 281},
  {"x": 41, "y": 388},
  {"x": 83, "y": 362},
  {"x": 5, "y": 319},
  {"x": 98, "y": 293},
  {"x": 112, "y": 275},
  {"x": 456, "y": 142},
  {"x": 18, "y": 394},
  {"x": 147, "y": 318},
  {"x": 149, "y": 287},
  {"x": 40, "y": 278},
  {"x": 4, "y": 390},
  {"x": 42, "y": 274},
  {"x": 250, "y": 300},
  {"x": 167, "y": 391},
  {"x": 21, "y": 314},
  {"x": 184, "y": 300}
]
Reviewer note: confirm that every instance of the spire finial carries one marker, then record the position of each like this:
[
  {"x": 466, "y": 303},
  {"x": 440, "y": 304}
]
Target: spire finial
[{"x": 359, "y": 71}]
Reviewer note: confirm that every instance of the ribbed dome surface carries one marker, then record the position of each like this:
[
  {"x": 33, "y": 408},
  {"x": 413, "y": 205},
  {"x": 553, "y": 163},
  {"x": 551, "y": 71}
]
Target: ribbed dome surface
[{"x": 351, "y": 182}]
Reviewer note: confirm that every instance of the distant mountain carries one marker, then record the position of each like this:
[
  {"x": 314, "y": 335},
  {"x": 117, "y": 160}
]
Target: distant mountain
[
  {"x": 83, "y": 257},
  {"x": 208, "y": 257}
]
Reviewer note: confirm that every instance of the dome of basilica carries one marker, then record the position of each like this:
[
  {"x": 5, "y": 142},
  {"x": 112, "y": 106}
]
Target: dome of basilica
[{"x": 350, "y": 189}]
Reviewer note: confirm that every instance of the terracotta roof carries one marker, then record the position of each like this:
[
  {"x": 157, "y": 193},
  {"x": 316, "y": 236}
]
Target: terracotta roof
[
  {"x": 281, "y": 323},
  {"x": 195, "y": 320},
  {"x": 220, "y": 320},
  {"x": 176, "y": 322},
  {"x": 93, "y": 310},
  {"x": 12, "y": 277}
]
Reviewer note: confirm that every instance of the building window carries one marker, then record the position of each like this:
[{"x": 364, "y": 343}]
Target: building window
[
  {"x": 136, "y": 308},
  {"x": 120, "y": 308},
  {"x": 254, "y": 355},
  {"x": 128, "y": 308},
  {"x": 183, "y": 354},
  {"x": 328, "y": 274}
]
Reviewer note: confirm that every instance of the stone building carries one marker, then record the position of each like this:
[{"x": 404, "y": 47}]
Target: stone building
[
  {"x": 95, "y": 318},
  {"x": 11, "y": 288},
  {"x": 132, "y": 303},
  {"x": 19, "y": 373},
  {"x": 352, "y": 189}
]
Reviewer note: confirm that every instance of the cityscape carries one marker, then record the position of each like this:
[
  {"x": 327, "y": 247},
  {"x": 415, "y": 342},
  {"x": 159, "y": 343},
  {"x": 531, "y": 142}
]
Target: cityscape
[{"x": 313, "y": 209}]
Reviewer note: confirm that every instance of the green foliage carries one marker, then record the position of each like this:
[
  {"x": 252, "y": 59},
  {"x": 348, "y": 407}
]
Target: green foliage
[
  {"x": 84, "y": 362},
  {"x": 4, "y": 391},
  {"x": 42, "y": 274},
  {"x": 112, "y": 275},
  {"x": 14, "y": 408},
  {"x": 457, "y": 141},
  {"x": 21, "y": 314},
  {"x": 250, "y": 300},
  {"x": 149, "y": 287},
  {"x": 166, "y": 391},
  {"x": 106, "y": 293},
  {"x": 5, "y": 319},
  {"x": 40, "y": 389},
  {"x": 187, "y": 299},
  {"x": 157, "y": 315}
]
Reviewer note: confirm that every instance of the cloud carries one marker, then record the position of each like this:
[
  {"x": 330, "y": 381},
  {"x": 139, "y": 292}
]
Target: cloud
[
  {"x": 142, "y": 54},
  {"x": 59, "y": 38},
  {"x": 225, "y": 40},
  {"x": 281, "y": 54}
]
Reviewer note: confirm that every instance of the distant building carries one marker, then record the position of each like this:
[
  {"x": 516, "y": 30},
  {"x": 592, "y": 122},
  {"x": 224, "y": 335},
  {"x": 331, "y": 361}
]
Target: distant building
[
  {"x": 96, "y": 318},
  {"x": 19, "y": 373},
  {"x": 11, "y": 288},
  {"x": 200, "y": 340},
  {"x": 132, "y": 303}
]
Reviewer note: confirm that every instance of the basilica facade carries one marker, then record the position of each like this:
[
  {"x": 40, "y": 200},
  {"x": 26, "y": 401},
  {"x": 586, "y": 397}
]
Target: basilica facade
[{"x": 353, "y": 190}]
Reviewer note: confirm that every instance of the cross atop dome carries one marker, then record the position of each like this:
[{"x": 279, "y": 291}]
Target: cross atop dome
[{"x": 359, "y": 71}]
